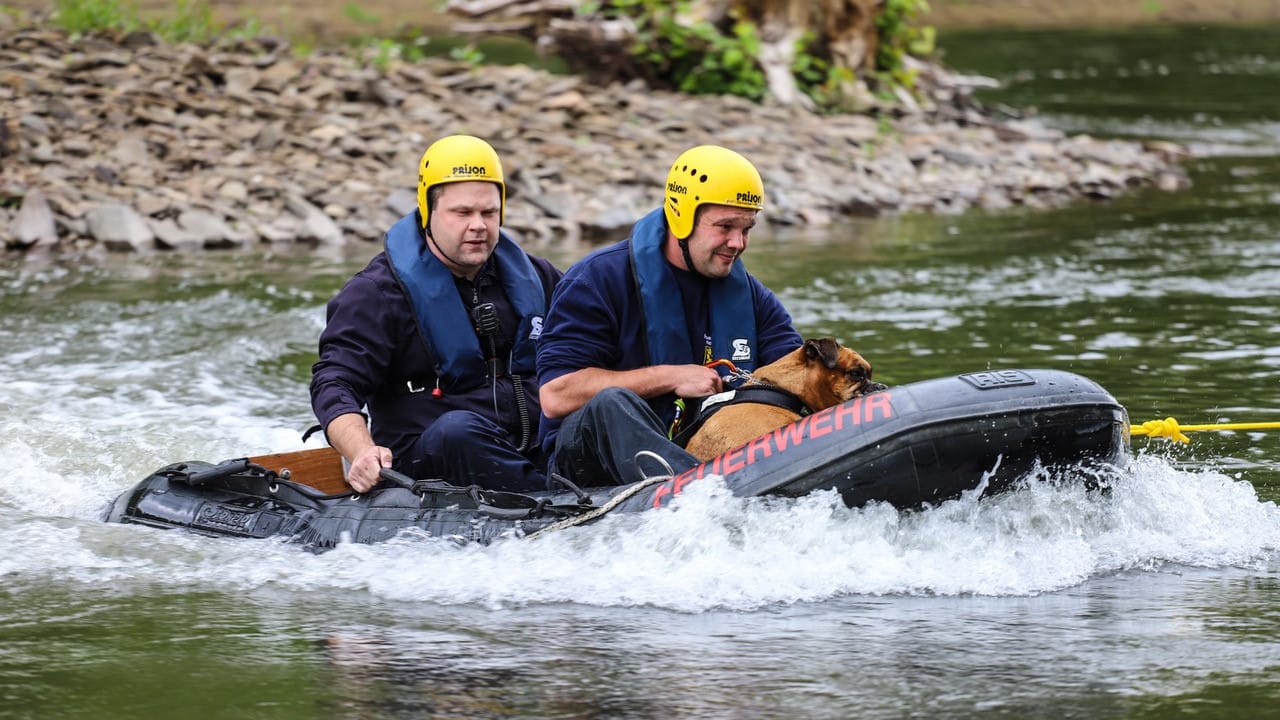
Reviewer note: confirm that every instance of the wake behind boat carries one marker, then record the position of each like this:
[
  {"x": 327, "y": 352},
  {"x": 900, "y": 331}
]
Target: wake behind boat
[{"x": 910, "y": 445}]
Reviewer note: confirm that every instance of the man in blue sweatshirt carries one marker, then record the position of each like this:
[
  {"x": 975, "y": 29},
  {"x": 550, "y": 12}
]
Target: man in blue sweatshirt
[
  {"x": 436, "y": 338},
  {"x": 632, "y": 327}
]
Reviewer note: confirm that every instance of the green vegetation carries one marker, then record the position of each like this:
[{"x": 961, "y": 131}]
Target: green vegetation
[
  {"x": 900, "y": 35},
  {"x": 358, "y": 14},
  {"x": 670, "y": 49},
  {"x": 816, "y": 77},
  {"x": 192, "y": 21},
  {"x": 699, "y": 57},
  {"x": 189, "y": 21},
  {"x": 378, "y": 51},
  {"x": 691, "y": 57},
  {"x": 79, "y": 16}
]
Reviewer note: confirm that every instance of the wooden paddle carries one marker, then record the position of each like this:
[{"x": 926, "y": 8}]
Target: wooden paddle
[{"x": 320, "y": 468}]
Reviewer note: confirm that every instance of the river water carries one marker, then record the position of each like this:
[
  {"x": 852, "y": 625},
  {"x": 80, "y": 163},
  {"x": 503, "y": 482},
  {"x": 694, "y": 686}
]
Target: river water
[{"x": 1157, "y": 600}]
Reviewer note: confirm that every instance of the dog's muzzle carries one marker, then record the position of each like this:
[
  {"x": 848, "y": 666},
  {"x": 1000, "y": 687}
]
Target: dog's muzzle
[{"x": 873, "y": 387}]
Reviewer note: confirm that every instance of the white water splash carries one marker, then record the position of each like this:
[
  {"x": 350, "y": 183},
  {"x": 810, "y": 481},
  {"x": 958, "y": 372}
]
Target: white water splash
[{"x": 712, "y": 550}]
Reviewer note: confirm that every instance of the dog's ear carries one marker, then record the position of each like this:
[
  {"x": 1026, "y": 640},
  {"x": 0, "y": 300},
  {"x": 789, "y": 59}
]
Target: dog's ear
[{"x": 825, "y": 349}]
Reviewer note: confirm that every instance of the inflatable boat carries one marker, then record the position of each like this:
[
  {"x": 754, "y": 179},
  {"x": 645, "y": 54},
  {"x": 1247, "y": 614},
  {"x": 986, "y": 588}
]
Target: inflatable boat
[{"x": 910, "y": 445}]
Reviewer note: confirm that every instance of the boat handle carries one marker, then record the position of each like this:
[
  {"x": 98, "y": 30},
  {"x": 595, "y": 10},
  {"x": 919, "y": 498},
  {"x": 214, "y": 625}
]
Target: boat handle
[
  {"x": 504, "y": 513},
  {"x": 217, "y": 472},
  {"x": 396, "y": 478}
]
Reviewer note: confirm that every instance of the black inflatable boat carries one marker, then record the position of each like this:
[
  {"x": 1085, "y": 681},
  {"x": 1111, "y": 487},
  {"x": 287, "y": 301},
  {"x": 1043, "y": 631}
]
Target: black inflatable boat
[{"x": 910, "y": 445}]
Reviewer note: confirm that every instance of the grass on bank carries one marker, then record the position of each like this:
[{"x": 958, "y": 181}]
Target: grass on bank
[
  {"x": 188, "y": 21},
  {"x": 194, "y": 21}
]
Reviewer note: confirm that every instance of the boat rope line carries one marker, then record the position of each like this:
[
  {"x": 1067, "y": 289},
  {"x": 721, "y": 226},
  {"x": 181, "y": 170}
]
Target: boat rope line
[
  {"x": 614, "y": 501},
  {"x": 1170, "y": 428}
]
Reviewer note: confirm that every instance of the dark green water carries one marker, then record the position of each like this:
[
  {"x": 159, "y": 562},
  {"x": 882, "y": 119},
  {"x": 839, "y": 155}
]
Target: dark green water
[
  {"x": 1156, "y": 601},
  {"x": 1191, "y": 83}
]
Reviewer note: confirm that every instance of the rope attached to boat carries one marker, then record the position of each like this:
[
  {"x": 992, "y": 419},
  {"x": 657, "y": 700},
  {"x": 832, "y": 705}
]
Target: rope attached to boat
[
  {"x": 614, "y": 501},
  {"x": 1169, "y": 428}
]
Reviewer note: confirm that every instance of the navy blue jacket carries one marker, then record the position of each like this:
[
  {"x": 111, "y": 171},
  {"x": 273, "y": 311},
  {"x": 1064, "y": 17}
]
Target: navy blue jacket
[
  {"x": 371, "y": 349},
  {"x": 596, "y": 319}
]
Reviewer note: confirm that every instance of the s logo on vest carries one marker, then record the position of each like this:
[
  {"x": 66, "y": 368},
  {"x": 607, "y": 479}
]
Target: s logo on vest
[
  {"x": 741, "y": 349},
  {"x": 535, "y": 327}
]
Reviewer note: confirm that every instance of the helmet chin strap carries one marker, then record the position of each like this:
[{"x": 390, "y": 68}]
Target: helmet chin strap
[
  {"x": 688, "y": 259},
  {"x": 431, "y": 239}
]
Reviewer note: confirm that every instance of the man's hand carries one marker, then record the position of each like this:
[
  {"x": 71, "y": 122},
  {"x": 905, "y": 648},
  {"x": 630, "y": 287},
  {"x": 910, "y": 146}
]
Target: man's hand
[
  {"x": 366, "y": 466},
  {"x": 691, "y": 381}
]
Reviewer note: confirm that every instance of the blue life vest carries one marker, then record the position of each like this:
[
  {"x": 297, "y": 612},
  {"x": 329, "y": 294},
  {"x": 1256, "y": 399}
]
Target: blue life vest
[
  {"x": 443, "y": 323},
  {"x": 733, "y": 317}
]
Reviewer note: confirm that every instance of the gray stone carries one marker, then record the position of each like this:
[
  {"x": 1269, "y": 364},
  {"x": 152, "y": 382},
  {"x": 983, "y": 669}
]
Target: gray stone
[
  {"x": 33, "y": 225},
  {"x": 35, "y": 124},
  {"x": 131, "y": 150},
  {"x": 280, "y": 230},
  {"x": 118, "y": 227},
  {"x": 234, "y": 190},
  {"x": 210, "y": 229},
  {"x": 402, "y": 202},
  {"x": 241, "y": 81},
  {"x": 171, "y": 237},
  {"x": 149, "y": 204},
  {"x": 555, "y": 204},
  {"x": 316, "y": 225}
]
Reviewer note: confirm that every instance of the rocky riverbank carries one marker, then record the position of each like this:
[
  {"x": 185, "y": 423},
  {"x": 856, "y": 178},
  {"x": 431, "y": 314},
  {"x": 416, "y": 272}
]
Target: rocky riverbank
[{"x": 126, "y": 143}]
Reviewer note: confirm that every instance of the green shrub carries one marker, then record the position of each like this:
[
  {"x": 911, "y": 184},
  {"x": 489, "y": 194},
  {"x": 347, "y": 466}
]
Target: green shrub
[
  {"x": 192, "y": 21},
  {"x": 699, "y": 57},
  {"x": 901, "y": 35},
  {"x": 80, "y": 16},
  {"x": 694, "y": 57}
]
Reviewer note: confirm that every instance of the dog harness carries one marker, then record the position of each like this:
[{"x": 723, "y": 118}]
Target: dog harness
[{"x": 758, "y": 393}]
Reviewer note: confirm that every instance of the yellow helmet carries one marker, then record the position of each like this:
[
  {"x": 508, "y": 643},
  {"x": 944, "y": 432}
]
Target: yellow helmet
[
  {"x": 709, "y": 175},
  {"x": 459, "y": 158}
]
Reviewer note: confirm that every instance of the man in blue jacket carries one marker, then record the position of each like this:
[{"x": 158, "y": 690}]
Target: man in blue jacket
[
  {"x": 436, "y": 337},
  {"x": 632, "y": 327}
]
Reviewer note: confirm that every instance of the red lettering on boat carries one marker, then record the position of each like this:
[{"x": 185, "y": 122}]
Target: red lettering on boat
[
  {"x": 661, "y": 492},
  {"x": 881, "y": 401},
  {"x": 869, "y": 408},
  {"x": 820, "y": 423},
  {"x": 759, "y": 445},
  {"x": 792, "y": 434},
  {"x": 851, "y": 410},
  {"x": 734, "y": 460}
]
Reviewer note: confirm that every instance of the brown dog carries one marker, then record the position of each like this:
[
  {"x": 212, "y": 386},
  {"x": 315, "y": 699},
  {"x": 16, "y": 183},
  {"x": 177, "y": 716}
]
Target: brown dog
[{"x": 820, "y": 374}]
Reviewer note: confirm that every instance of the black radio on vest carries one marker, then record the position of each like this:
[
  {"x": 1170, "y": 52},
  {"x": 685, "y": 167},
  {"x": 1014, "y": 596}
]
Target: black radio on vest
[{"x": 485, "y": 317}]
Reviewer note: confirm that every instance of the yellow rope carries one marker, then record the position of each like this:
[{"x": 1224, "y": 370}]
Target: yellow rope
[{"x": 1169, "y": 428}]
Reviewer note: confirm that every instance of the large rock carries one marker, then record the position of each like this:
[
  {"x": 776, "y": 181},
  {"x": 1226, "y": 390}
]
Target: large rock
[
  {"x": 33, "y": 225},
  {"x": 118, "y": 227}
]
